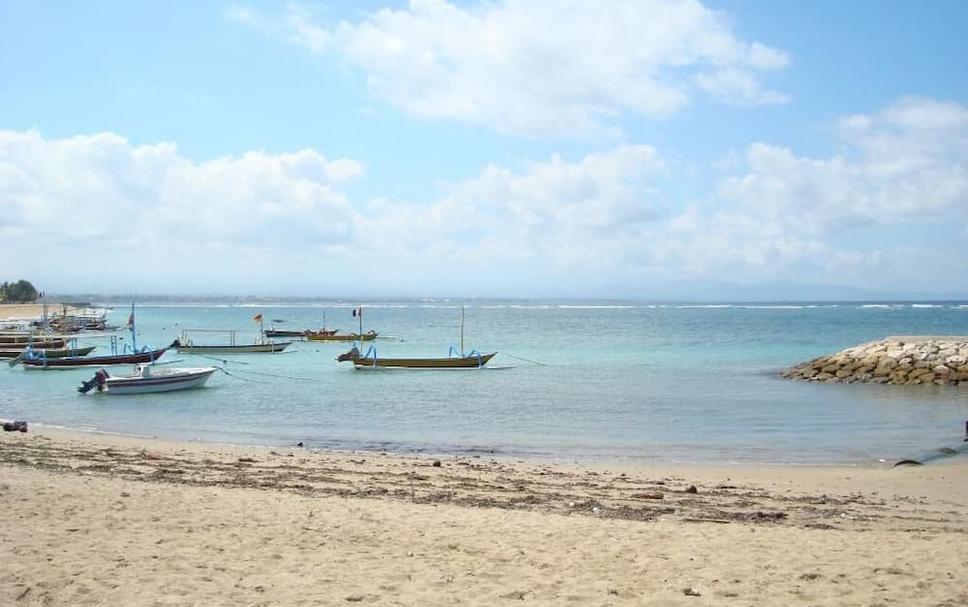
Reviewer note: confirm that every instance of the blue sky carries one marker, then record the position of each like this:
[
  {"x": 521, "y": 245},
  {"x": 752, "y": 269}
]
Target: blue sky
[{"x": 657, "y": 149}]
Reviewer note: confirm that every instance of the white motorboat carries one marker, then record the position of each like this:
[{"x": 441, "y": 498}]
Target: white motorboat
[{"x": 148, "y": 378}]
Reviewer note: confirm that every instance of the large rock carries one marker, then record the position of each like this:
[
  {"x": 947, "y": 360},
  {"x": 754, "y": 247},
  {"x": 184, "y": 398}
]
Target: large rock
[{"x": 908, "y": 360}]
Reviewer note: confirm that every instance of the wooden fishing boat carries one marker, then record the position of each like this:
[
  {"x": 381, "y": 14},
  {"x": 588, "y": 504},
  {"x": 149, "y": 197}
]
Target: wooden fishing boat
[
  {"x": 36, "y": 344},
  {"x": 130, "y": 355},
  {"x": 148, "y": 379},
  {"x": 456, "y": 358},
  {"x": 334, "y": 336},
  {"x": 474, "y": 360},
  {"x": 47, "y": 352},
  {"x": 267, "y": 347},
  {"x": 284, "y": 333},
  {"x": 186, "y": 344},
  {"x": 304, "y": 333},
  {"x": 36, "y": 361},
  {"x": 8, "y": 340}
]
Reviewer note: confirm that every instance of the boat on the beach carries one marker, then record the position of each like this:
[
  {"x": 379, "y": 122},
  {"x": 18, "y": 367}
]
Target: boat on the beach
[
  {"x": 148, "y": 378},
  {"x": 11, "y": 339},
  {"x": 82, "y": 317},
  {"x": 185, "y": 344},
  {"x": 60, "y": 352},
  {"x": 36, "y": 343},
  {"x": 455, "y": 359}
]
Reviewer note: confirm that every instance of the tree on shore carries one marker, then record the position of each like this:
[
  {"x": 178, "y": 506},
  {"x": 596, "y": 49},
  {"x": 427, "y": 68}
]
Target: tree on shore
[{"x": 18, "y": 292}]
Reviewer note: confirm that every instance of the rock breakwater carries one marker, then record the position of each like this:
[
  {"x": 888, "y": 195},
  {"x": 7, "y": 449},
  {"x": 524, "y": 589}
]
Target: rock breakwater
[{"x": 907, "y": 360}]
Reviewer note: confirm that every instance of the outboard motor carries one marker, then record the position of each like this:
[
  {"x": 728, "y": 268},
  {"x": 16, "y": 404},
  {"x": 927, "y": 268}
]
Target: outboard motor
[
  {"x": 351, "y": 355},
  {"x": 95, "y": 382}
]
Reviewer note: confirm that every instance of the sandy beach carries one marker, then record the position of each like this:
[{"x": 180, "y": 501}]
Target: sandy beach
[
  {"x": 10, "y": 311},
  {"x": 106, "y": 520},
  {"x": 29, "y": 311}
]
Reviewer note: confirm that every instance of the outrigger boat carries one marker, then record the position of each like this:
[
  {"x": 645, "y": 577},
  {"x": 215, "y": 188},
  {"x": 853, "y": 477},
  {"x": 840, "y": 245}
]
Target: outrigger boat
[
  {"x": 36, "y": 344},
  {"x": 148, "y": 378},
  {"x": 10, "y": 340},
  {"x": 304, "y": 333},
  {"x": 127, "y": 355},
  {"x": 39, "y": 361},
  {"x": 334, "y": 336},
  {"x": 186, "y": 345},
  {"x": 474, "y": 360},
  {"x": 284, "y": 333},
  {"x": 370, "y": 360},
  {"x": 268, "y": 347}
]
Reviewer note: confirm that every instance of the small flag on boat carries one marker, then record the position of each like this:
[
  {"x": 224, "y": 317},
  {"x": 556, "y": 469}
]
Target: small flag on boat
[
  {"x": 358, "y": 312},
  {"x": 257, "y": 318},
  {"x": 130, "y": 320}
]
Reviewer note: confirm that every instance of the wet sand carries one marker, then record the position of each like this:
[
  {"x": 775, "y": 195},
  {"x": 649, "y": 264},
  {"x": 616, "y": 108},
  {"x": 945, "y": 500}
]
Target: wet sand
[{"x": 97, "y": 519}]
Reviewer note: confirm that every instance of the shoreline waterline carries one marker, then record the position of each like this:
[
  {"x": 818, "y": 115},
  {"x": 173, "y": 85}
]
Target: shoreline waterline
[
  {"x": 98, "y": 518},
  {"x": 611, "y": 461}
]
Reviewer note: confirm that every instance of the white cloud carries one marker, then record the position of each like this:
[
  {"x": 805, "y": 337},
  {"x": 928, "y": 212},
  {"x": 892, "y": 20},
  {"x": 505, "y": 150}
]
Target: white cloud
[
  {"x": 561, "y": 211},
  {"x": 145, "y": 214},
  {"x": 540, "y": 66},
  {"x": 100, "y": 200},
  {"x": 908, "y": 162},
  {"x": 296, "y": 26}
]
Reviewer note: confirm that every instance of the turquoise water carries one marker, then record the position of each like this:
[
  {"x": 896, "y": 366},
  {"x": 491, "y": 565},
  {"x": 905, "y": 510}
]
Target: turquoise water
[{"x": 659, "y": 383}]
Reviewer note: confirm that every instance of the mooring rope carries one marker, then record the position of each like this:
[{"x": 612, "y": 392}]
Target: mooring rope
[
  {"x": 221, "y": 360},
  {"x": 254, "y": 381},
  {"x": 278, "y": 376},
  {"x": 527, "y": 360}
]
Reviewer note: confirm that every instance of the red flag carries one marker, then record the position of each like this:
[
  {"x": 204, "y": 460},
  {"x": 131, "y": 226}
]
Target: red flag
[{"x": 257, "y": 317}]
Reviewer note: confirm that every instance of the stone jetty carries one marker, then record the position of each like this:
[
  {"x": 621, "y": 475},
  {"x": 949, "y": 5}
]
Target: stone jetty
[{"x": 908, "y": 360}]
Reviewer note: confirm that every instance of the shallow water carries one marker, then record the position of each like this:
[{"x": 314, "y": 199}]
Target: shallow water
[{"x": 662, "y": 383}]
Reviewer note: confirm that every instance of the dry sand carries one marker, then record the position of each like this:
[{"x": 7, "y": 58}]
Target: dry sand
[
  {"x": 20, "y": 312},
  {"x": 101, "y": 520}
]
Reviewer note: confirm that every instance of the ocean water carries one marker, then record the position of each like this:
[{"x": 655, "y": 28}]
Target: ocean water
[{"x": 654, "y": 383}]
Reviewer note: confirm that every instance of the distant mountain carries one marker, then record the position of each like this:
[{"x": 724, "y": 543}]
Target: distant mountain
[{"x": 702, "y": 291}]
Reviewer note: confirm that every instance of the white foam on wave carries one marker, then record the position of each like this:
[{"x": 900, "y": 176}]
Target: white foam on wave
[
  {"x": 775, "y": 307},
  {"x": 596, "y": 307}
]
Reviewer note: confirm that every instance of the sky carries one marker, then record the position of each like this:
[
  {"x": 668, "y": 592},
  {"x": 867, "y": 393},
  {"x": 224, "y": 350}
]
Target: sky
[{"x": 644, "y": 149}]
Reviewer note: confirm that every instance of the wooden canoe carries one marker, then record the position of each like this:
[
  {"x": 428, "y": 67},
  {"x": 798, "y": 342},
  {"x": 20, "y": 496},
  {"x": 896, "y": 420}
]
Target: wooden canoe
[
  {"x": 450, "y": 362},
  {"x": 37, "y": 344},
  {"x": 368, "y": 336},
  {"x": 47, "y": 352},
  {"x": 73, "y": 362},
  {"x": 268, "y": 347}
]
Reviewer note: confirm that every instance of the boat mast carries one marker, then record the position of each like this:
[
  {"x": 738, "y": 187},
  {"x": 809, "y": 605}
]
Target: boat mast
[
  {"x": 134, "y": 336},
  {"x": 462, "y": 330}
]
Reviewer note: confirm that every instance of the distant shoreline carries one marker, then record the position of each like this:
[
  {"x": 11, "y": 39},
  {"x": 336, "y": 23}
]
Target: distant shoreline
[{"x": 28, "y": 311}]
